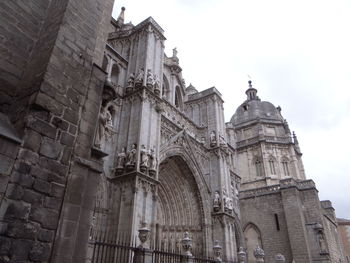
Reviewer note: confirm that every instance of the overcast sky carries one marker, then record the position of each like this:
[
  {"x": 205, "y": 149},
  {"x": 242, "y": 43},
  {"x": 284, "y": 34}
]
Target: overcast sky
[{"x": 297, "y": 54}]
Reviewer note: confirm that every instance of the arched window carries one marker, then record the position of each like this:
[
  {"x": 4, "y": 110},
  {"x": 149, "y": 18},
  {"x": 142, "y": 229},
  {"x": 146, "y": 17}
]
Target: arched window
[
  {"x": 272, "y": 165},
  {"x": 165, "y": 87},
  {"x": 253, "y": 239},
  {"x": 115, "y": 74},
  {"x": 258, "y": 167},
  {"x": 178, "y": 98},
  {"x": 285, "y": 166}
]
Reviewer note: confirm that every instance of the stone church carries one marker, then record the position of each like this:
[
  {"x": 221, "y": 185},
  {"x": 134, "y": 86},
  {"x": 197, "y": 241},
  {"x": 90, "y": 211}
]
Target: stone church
[{"x": 104, "y": 147}]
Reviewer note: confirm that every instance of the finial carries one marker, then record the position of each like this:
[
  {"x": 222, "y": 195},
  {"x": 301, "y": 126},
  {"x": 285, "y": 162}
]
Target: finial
[
  {"x": 295, "y": 138},
  {"x": 120, "y": 20},
  {"x": 174, "y": 52},
  {"x": 251, "y": 92}
]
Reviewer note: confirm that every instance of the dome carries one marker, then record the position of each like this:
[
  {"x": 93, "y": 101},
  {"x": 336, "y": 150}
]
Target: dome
[
  {"x": 253, "y": 108},
  {"x": 191, "y": 90}
]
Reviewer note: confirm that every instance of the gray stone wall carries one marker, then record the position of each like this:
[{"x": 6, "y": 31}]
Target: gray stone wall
[
  {"x": 261, "y": 212},
  {"x": 65, "y": 93}
]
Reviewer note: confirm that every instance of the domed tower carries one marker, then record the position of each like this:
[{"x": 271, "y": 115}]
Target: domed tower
[{"x": 266, "y": 150}]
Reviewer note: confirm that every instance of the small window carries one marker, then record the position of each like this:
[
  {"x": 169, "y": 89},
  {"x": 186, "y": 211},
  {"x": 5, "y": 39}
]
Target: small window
[
  {"x": 272, "y": 166},
  {"x": 277, "y": 222},
  {"x": 245, "y": 107},
  {"x": 285, "y": 167},
  {"x": 258, "y": 168}
]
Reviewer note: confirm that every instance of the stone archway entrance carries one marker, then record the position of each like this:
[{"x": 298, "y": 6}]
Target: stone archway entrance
[{"x": 179, "y": 207}]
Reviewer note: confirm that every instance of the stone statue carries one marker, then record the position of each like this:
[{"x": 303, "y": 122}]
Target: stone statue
[
  {"x": 121, "y": 158},
  {"x": 217, "y": 201},
  {"x": 321, "y": 242},
  {"x": 109, "y": 116},
  {"x": 143, "y": 159},
  {"x": 175, "y": 52},
  {"x": 228, "y": 203},
  {"x": 156, "y": 85},
  {"x": 131, "y": 157},
  {"x": 103, "y": 119},
  {"x": 131, "y": 83},
  {"x": 152, "y": 162},
  {"x": 212, "y": 139},
  {"x": 131, "y": 80},
  {"x": 150, "y": 79},
  {"x": 139, "y": 77},
  {"x": 235, "y": 196}
]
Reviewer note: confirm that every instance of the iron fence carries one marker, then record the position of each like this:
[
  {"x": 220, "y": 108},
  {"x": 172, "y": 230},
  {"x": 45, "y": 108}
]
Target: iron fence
[{"x": 111, "y": 252}]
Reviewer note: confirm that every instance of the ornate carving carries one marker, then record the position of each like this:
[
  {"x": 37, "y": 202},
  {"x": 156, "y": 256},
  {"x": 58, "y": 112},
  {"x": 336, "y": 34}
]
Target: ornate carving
[
  {"x": 104, "y": 119},
  {"x": 213, "y": 140},
  {"x": 131, "y": 83},
  {"x": 144, "y": 234},
  {"x": 144, "y": 159},
  {"x": 150, "y": 79},
  {"x": 222, "y": 141},
  {"x": 152, "y": 162},
  {"x": 320, "y": 238},
  {"x": 121, "y": 159},
  {"x": 259, "y": 254},
  {"x": 279, "y": 258},
  {"x": 187, "y": 244},
  {"x": 156, "y": 85},
  {"x": 139, "y": 78},
  {"x": 217, "y": 251},
  {"x": 217, "y": 201},
  {"x": 242, "y": 255},
  {"x": 228, "y": 203},
  {"x": 131, "y": 157}
]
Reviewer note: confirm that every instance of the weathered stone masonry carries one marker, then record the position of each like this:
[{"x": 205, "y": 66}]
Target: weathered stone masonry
[
  {"x": 99, "y": 134},
  {"x": 51, "y": 87}
]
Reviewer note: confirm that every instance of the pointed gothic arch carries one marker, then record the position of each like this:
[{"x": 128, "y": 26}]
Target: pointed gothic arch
[
  {"x": 165, "y": 88},
  {"x": 258, "y": 166},
  {"x": 178, "y": 156},
  {"x": 178, "y": 101},
  {"x": 285, "y": 166},
  {"x": 252, "y": 236},
  {"x": 115, "y": 71}
]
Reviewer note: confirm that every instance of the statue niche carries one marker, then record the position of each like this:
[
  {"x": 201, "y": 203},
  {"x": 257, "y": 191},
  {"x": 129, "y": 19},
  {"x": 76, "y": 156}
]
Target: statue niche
[{"x": 104, "y": 126}]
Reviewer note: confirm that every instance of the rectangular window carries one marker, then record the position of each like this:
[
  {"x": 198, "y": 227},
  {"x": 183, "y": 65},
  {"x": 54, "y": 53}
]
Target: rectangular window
[
  {"x": 272, "y": 167},
  {"x": 277, "y": 222},
  {"x": 285, "y": 168}
]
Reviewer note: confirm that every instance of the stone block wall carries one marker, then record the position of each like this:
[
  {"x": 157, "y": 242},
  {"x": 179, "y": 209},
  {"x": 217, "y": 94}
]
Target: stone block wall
[
  {"x": 58, "y": 91},
  {"x": 261, "y": 212}
]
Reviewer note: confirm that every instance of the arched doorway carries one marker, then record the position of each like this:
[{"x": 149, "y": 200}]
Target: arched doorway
[
  {"x": 179, "y": 207},
  {"x": 253, "y": 239}
]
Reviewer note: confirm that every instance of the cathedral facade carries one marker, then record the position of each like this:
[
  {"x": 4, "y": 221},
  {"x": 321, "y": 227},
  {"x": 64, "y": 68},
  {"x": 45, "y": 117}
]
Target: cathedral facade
[{"x": 103, "y": 141}]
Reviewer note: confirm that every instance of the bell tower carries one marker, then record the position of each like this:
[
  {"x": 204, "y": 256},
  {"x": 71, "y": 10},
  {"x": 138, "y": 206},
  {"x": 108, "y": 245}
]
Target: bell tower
[{"x": 266, "y": 150}]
